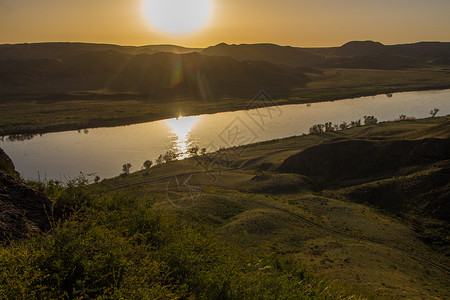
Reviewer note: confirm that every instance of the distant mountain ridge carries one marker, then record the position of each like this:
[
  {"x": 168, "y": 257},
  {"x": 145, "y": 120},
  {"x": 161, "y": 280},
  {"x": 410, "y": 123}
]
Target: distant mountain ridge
[
  {"x": 155, "y": 75},
  {"x": 167, "y": 71},
  {"x": 355, "y": 54},
  {"x": 63, "y": 50},
  {"x": 295, "y": 57}
]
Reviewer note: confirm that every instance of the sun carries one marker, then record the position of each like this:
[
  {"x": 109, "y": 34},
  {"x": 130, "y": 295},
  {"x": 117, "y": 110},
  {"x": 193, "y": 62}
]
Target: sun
[{"x": 178, "y": 17}]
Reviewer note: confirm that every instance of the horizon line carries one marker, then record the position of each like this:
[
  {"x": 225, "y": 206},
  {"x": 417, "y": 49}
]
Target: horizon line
[{"x": 212, "y": 45}]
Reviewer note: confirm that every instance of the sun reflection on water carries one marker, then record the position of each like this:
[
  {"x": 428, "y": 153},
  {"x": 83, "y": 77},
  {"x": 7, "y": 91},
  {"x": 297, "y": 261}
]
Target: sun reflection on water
[{"x": 182, "y": 127}]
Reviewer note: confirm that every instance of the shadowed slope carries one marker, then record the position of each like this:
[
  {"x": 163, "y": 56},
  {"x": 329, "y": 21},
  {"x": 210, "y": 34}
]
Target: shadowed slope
[
  {"x": 360, "y": 159},
  {"x": 161, "y": 74}
]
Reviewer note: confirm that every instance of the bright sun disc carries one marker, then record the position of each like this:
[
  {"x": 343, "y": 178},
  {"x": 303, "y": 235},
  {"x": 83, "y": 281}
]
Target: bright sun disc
[{"x": 177, "y": 16}]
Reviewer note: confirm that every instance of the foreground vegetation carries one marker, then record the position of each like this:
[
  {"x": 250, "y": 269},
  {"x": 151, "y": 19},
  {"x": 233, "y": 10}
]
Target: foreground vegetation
[
  {"x": 242, "y": 230},
  {"x": 122, "y": 247}
]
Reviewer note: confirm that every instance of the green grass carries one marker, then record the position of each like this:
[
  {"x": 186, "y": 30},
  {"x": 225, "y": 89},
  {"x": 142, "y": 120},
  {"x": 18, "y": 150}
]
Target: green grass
[{"x": 123, "y": 248}]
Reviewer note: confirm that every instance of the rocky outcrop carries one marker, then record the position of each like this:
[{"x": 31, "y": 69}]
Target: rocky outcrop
[
  {"x": 6, "y": 164},
  {"x": 23, "y": 210},
  {"x": 354, "y": 159}
]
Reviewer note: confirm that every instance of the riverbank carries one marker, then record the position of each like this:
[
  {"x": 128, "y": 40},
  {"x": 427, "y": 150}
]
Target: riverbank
[{"x": 44, "y": 116}]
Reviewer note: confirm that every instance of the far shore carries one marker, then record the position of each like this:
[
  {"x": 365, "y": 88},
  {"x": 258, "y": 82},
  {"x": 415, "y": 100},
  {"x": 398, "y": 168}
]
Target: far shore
[{"x": 190, "y": 108}]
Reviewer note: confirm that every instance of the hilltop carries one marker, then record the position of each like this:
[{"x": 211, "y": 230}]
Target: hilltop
[{"x": 355, "y": 54}]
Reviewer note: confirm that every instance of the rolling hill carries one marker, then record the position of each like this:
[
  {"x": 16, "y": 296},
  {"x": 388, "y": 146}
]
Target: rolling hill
[
  {"x": 355, "y": 54},
  {"x": 42, "y": 69},
  {"x": 156, "y": 75},
  {"x": 291, "y": 56}
]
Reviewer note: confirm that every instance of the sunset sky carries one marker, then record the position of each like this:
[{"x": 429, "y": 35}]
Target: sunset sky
[{"x": 287, "y": 22}]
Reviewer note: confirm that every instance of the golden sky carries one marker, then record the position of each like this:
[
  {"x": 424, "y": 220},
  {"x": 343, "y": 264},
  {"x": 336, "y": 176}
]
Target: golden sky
[{"x": 287, "y": 22}]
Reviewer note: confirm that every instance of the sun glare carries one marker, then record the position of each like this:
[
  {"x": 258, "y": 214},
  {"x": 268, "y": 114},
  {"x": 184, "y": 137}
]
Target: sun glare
[
  {"x": 181, "y": 127},
  {"x": 177, "y": 17}
]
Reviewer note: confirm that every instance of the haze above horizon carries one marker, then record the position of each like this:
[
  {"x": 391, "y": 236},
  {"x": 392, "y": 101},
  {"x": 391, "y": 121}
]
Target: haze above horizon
[{"x": 305, "y": 23}]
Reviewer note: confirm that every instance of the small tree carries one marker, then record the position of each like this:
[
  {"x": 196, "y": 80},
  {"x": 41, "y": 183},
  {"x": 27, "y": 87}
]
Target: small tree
[
  {"x": 159, "y": 160},
  {"x": 318, "y": 128},
  {"x": 170, "y": 156},
  {"x": 355, "y": 123},
  {"x": 343, "y": 126},
  {"x": 329, "y": 127},
  {"x": 126, "y": 168},
  {"x": 203, "y": 151},
  {"x": 194, "y": 151},
  {"x": 402, "y": 117},
  {"x": 97, "y": 179},
  {"x": 434, "y": 112},
  {"x": 370, "y": 120},
  {"x": 147, "y": 164}
]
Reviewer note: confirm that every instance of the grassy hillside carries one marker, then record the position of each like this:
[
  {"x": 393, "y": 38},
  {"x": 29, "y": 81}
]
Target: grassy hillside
[{"x": 387, "y": 235}]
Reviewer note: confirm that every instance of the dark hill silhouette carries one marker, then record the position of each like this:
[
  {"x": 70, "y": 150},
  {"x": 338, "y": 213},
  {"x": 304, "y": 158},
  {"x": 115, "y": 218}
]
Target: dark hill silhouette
[
  {"x": 46, "y": 69},
  {"x": 81, "y": 72},
  {"x": 291, "y": 56},
  {"x": 161, "y": 74},
  {"x": 425, "y": 50},
  {"x": 355, "y": 54},
  {"x": 173, "y": 75},
  {"x": 64, "y": 50},
  {"x": 357, "y": 48}
]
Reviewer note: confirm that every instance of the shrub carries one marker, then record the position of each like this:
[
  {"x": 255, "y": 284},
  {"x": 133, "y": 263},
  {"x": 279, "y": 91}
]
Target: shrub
[
  {"x": 147, "y": 164},
  {"x": 343, "y": 126},
  {"x": 170, "y": 156},
  {"x": 370, "y": 120},
  {"x": 126, "y": 168},
  {"x": 159, "y": 160},
  {"x": 319, "y": 128},
  {"x": 434, "y": 112}
]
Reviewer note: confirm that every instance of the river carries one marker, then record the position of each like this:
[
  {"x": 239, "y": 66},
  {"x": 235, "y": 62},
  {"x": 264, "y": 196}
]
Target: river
[{"x": 103, "y": 151}]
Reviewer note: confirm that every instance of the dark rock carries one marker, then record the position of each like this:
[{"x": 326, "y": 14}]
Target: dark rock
[
  {"x": 23, "y": 210},
  {"x": 6, "y": 164}
]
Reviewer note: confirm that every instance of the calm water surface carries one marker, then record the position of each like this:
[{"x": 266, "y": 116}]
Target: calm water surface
[{"x": 103, "y": 151}]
